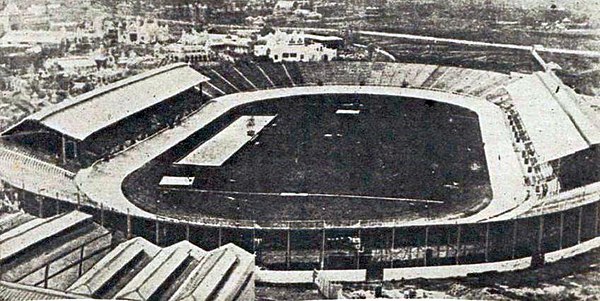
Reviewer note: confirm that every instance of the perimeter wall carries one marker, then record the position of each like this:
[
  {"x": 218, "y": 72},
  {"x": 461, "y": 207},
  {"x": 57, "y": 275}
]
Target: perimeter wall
[{"x": 316, "y": 245}]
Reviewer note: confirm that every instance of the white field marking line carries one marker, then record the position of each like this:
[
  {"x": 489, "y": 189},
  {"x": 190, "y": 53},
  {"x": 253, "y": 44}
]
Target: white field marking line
[
  {"x": 225, "y": 80},
  {"x": 245, "y": 78},
  {"x": 303, "y": 194},
  {"x": 288, "y": 75},
  {"x": 265, "y": 74}
]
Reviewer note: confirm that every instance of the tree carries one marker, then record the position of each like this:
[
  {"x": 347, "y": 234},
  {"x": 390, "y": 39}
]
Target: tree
[
  {"x": 371, "y": 48},
  {"x": 266, "y": 30}
]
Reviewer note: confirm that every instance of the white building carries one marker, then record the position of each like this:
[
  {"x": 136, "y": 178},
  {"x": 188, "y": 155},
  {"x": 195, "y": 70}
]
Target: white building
[
  {"x": 284, "y": 47},
  {"x": 72, "y": 64},
  {"x": 308, "y": 14},
  {"x": 31, "y": 38},
  {"x": 10, "y": 17},
  {"x": 143, "y": 32},
  {"x": 201, "y": 45},
  {"x": 285, "y": 6},
  {"x": 191, "y": 46}
]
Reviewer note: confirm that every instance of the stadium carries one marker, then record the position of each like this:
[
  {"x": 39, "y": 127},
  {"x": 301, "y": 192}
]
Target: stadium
[{"x": 361, "y": 170}]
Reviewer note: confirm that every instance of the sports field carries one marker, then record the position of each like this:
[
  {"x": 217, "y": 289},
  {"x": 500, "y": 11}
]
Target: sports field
[{"x": 330, "y": 157}]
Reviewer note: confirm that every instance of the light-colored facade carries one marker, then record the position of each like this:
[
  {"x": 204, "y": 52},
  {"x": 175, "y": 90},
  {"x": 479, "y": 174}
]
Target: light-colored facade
[
  {"x": 143, "y": 32},
  {"x": 202, "y": 45},
  {"x": 72, "y": 64},
  {"x": 284, "y": 47}
]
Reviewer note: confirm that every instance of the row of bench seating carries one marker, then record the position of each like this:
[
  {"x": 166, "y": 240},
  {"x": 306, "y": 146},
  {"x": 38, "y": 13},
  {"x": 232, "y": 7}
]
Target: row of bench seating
[
  {"x": 47, "y": 178},
  {"x": 227, "y": 78}
]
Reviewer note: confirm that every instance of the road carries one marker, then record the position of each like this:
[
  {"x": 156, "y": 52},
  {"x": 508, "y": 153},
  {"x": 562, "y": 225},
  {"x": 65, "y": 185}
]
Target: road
[{"x": 588, "y": 53}]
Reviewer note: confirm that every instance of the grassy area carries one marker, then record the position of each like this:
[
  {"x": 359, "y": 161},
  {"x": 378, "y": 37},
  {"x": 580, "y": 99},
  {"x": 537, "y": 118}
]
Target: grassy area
[{"x": 409, "y": 149}]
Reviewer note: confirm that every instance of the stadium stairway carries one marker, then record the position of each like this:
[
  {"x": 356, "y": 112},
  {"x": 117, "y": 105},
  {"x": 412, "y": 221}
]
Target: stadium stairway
[
  {"x": 277, "y": 74},
  {"x": 71, "y": 256},
  {"x": 295, "y": 73},
  {"x": 230, "y": 78},
  {"x": 422, "y": 73},
  {"x": 434, "y": 76},
  {"x": 540, "y": 176},
  {"x": 252, "y": 73}
]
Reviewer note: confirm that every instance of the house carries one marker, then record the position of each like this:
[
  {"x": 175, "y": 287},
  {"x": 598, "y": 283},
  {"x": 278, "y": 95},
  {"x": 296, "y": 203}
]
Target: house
[
  {"x": 33, "y": 37},
  {"x": 285, "y": 6},
  {"x": 72, "y": 64},
  {"x": 201, "y": 46},
  {"x": 143, "y": 32},
  {"x": 283, "y": 47}
]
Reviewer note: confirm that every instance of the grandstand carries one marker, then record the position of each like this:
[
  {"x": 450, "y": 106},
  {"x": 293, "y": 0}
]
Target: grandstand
[
  {"x": 539, "y": 179},
  {"x": 162, "y": 96},
  {"x": 549, "y": 126},
  {"x": 49, "y": 252},
  {"x": 249, "y": 76},
  {"x": 68, "y": 256},
  {"x": 23, "y": 170},
  {"x": 458, "y": 55}
]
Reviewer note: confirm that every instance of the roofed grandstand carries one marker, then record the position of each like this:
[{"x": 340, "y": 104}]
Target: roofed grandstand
[
  {"x": 107, "y": 136},
  {"x": 87, "y": 125},
  {"x": 115, "y": 164}
]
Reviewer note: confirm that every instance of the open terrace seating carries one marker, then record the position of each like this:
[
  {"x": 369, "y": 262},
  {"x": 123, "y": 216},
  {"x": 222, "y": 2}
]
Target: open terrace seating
[
  {"x": 418, "y": 74},
  {"x": 449, "y": 78},
  {"x": 251, "y": 72},
  {"x": 487, "y": 82},
  {"x": 217, "y": 81},
  {"x": 228, "y": 78},
  {"x": 276, "y": 73},
  {"x": 295, "y": 73},
  {"x": 469, "y": 78},
  {"x": 434, "y": 76},
  {"x": 231, "y": 77},
  {"x": 211, "y": 91},
  {"x": 35, "y": 174}
]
